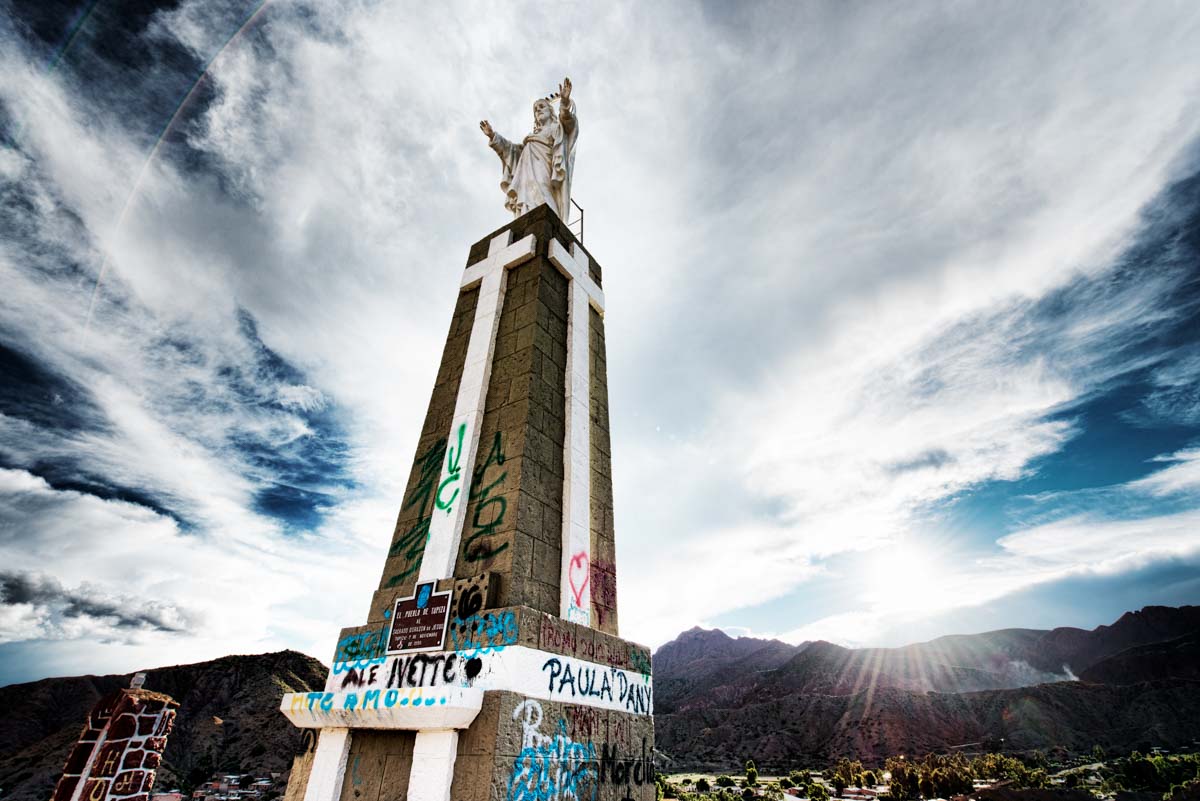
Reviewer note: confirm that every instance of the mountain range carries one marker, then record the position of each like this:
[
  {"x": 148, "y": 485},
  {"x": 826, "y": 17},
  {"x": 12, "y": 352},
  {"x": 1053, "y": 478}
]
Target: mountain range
[
  {"x": 720, "y": 700},
  {"x": 228, "y": 720}
]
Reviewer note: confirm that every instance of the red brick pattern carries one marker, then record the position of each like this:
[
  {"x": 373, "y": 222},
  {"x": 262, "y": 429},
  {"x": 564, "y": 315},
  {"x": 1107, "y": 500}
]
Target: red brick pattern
[{"x": 119, "y": 749}]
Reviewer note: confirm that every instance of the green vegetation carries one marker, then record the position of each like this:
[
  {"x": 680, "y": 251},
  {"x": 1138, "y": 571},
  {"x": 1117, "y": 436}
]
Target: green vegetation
[{"x": 1176, "y": 777}]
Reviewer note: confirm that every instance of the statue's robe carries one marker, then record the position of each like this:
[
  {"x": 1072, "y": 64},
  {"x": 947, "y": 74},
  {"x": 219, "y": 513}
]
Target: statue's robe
[{"x": 539, "y": 169}]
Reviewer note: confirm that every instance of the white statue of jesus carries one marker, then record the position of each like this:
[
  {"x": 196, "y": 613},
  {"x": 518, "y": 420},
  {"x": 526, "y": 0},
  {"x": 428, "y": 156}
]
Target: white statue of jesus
[{"x": 538, "y": 170}]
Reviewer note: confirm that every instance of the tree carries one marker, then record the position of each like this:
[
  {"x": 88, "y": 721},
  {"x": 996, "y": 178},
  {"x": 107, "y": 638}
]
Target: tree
[
  {"x": 1098, "y": 754},
  {"x": 702, "y": 785},
  {"x": 748, "y": 793},
  {"x": 868, "y": 779},
  {"x": 785, "y": 782},
  {"x": 1188, "y": 791},
  {"x": 905, "y": 782},
  {"x": 725, "y": 781},
  {"x": 817, "y": 792},
  {"x": 1143, "y": 773},
  {"x": 843, "y": 774},
  {"x": 751, "y": 775}
]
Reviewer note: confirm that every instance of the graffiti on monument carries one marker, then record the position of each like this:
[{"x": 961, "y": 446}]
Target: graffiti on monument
[
  {"x": 550, "y": 767},
  {"x": 570, "y": 679},
  {"x": 489, "y": 658},
  {"x": 578, "y": 578},
  {"x": 490, "y": 507},
  {"x": 367, "y": 700},
  {"x": 641, "y": 661},
  {"x": 604, "y": 587},
  {"x": 470, "y": 595},
  {"x": 417, "y": 670},
  {"x": 567, "y": 763},
  {"x": 361, "y": 650},
  {"x": 453, "y": 473},
  {"x": 483, "y": 634},
  {"x": 411, "y": 545},
  {"x": 629, "y": 770},
  {"x": 585, "y": 720}
]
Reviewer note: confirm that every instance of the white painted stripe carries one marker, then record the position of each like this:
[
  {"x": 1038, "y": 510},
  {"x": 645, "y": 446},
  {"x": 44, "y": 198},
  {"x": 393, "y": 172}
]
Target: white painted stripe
[
  {"x": 411, "y": 710},
  {"x": 429, "y": 682},
  {"x": 575, "y": 599},
  {"x": 329, "y": 765},
  {"x": 454, "y": 485},
  {"x": 432, "y": 771}
]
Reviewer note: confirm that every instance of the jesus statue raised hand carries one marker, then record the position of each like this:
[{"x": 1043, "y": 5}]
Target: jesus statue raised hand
[{"x": 538, "y": 169}]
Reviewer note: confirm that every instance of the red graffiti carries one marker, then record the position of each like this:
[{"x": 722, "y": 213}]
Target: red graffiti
[{"x": 579, "y": 575}]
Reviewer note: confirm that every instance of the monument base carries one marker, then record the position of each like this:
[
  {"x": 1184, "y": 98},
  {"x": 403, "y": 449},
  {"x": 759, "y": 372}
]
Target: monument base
[{"x": 524, "y": 707}]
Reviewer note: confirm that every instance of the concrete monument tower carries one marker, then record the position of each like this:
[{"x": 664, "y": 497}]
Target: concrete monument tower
[{"x": 489, "y": 667}]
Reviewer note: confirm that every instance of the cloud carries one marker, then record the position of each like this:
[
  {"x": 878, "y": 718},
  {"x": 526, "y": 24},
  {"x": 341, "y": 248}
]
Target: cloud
[
  {"x": 1182, "y": 476},
  {"x": 217, "y": 591},
  {"x": 46, "y": 593},
  {"x": 1089, "y": 546},
  {"x": 860, "y": 262}
]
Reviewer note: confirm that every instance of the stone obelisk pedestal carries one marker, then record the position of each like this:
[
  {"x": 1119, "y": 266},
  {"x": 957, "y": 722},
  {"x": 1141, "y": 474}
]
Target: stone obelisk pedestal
[{"x": 490, "y": 667}]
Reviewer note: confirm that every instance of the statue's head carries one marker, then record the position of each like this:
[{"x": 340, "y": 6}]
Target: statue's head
[{"x": 543, "y": 112}]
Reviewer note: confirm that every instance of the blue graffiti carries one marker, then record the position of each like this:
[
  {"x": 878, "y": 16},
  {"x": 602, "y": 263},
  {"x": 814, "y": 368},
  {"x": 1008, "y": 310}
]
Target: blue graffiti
[
  {"x": 365, "y": 645},
  {"x": 358, "y": 665},
  {"x": 550, "y": 767},
  {"x": 488, "y": 633}
]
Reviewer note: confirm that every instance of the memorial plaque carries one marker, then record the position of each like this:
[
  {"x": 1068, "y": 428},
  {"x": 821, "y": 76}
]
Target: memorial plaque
[{"x": 419, "y": 621}]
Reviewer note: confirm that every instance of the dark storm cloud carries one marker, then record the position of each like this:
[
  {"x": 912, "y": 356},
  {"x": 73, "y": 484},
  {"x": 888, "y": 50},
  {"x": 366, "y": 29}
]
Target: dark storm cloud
[
  {"x": 113, "y": 53},
  {"x": 44, "y": 591},
  {"x": 929, "y": 460}
]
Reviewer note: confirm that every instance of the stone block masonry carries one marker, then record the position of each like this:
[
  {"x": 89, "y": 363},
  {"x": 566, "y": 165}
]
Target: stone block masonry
[{"x": 508, "y": 513}]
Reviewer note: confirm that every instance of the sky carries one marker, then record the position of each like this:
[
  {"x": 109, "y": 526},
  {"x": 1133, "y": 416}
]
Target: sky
[{"x": 903, "y": 308}]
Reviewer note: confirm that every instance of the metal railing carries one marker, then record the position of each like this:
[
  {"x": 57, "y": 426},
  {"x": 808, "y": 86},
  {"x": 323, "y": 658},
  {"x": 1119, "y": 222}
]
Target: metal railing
[{"x": 578, "y": 234}]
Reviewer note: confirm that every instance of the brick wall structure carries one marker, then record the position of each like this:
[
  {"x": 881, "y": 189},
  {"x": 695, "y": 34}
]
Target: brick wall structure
[
  {"x": 531, "y": 693},
  {"x": 119, "y": 749}
]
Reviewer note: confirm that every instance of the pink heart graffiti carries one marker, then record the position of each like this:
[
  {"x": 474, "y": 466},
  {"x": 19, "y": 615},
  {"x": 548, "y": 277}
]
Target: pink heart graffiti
[{"x": 578, "y": 576}]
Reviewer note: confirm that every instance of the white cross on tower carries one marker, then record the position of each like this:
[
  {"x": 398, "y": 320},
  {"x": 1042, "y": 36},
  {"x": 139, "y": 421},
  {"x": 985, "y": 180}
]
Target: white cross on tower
[
  {"x": 576, "y": 585},
  {"x": 454, "y": 485}
]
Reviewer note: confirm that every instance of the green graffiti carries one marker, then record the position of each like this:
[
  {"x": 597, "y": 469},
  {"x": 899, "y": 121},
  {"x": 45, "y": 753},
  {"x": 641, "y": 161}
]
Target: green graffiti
[
  {"x": 411, "y": 545},
  {"x": 489, "y": 509},
  {"x": 453, "y": 457}
]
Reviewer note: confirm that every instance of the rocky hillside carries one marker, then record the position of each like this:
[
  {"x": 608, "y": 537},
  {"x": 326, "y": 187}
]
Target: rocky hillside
[
  {"x": 719, "y": 701},
  {"x": 228, "y": 720},
  {"x": 1176, "y": 658}
]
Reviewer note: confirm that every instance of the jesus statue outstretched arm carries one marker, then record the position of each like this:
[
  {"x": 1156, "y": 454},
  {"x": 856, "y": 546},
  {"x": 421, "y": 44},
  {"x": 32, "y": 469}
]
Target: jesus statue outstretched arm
[{"x": 566, "y": 109}]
